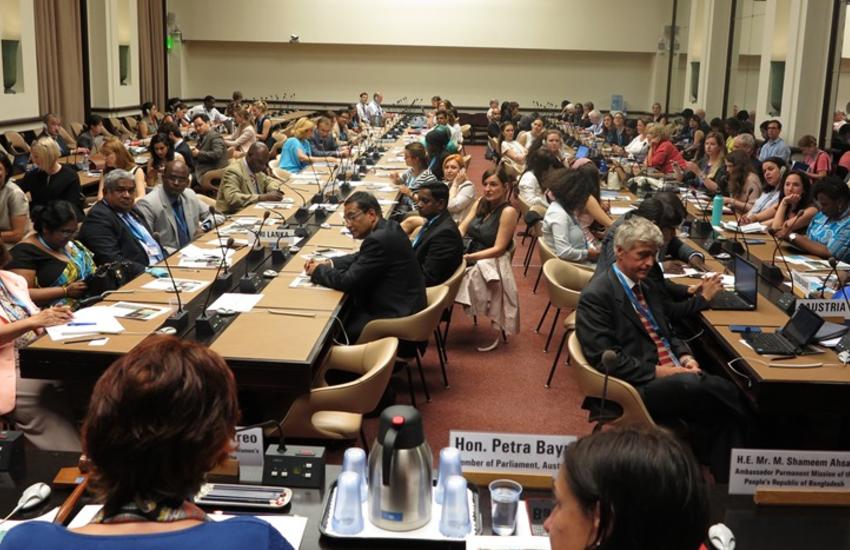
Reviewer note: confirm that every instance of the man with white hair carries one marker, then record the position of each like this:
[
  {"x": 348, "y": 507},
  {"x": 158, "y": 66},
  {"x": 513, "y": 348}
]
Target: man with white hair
[
  {"x": 595, "y": 118},
  {"x": 622, "y": 310}
]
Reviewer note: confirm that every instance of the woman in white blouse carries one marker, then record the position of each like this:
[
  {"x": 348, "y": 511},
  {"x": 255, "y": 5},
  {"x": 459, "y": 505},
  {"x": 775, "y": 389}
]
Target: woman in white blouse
[
  {"x": 509, "y": 147},
  {"x": 527, "y": 138},
  {"x": 639, "y": 146},
  {"x": 540, "y": 163},
  {"x": 243, "y": 136},
  {"x": 461, "y": 190},
  {"x": 562, "y": 231}
]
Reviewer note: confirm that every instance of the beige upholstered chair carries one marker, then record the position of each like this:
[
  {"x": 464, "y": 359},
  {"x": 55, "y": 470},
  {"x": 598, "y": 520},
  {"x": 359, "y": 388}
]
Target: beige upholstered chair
[
  {"x": 453, "y": 284},
  {"x": 592, "y": 384},
  {"x": 131, "y": 123},
  {"x": 18, "y": 144},
  {"x": 413, "y": 328},
  {"x": 119, "y": 129},
  {"x": 280, "y": 173},
  {"x": 76, "y": 129},
  {"x": 544, "y": 254},
  {"x": 69, "y": 140},
  {"x": 210, "y": 181},
  {"x": 564, "y": 281},
  {"x": 336, "y": 412},
  {"x": 465, "y": 130}
]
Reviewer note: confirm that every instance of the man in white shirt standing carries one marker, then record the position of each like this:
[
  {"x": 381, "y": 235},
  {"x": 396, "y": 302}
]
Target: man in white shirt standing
[
  {"x": 208, "y": 108},
  {"x": 363, "y": 108},
  {"x": 375, "y": 111}
]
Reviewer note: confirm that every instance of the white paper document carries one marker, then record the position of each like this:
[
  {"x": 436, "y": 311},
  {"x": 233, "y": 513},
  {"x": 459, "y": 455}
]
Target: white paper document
[
  {"x": 620, "y": 210},
  {"x": 91, "y": 320},
  {"x": 204, "y": 258},
  {"x": 233, "y": 301},
  {"x": 182, "y": 285},
  {"x": 139, "y": 312},
  {"x": 303, "y": 281}
]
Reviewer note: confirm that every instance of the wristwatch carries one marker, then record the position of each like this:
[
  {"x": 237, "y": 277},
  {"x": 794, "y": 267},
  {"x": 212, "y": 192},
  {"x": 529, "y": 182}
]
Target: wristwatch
[{"x": 792, "y": 237}]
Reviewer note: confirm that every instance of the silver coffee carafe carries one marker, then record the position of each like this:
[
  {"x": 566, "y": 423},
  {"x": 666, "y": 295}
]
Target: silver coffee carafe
[{"x": 400, "y": 466}]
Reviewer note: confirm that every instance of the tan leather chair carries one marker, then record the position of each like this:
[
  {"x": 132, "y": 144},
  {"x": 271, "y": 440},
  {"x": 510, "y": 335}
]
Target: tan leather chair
[
  {"x": 465, "y": 130},
  {"x": 544, "y": 254},
  {"x": 413, "y": 328},
  {"x": 274, "y": 166},
  {"x": 453, "y": 284},
  {"x": 564, "y": 282},
  {"x": 210, "y": 181},
  {"x": 592, "y": 383},
  {"x": 120, "y": 129},
  {"x": 131, "y": 123},
  {"x": 18, "y": 144},
  {"x": 69, "y": 141},
  {"x": 533, "y": 232},
  {"x": 336, "y": 412},
  {"x": 76, "y": 129}
]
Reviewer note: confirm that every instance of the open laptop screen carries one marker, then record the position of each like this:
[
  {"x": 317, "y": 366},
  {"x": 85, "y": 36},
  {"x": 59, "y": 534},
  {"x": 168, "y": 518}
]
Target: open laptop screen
[
  {"x": 582, "y": 151},
  {"x": 746, "y": 280},
  {"x": 802, "y": 326}
]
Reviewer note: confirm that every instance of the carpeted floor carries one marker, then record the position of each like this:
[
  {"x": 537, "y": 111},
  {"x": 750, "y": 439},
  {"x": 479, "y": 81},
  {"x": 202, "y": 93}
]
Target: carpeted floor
[{"x": 501, "y": 390}]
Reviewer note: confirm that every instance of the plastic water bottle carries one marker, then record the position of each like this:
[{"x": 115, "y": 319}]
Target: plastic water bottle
[
  {"x": 716, "y": 209},
  {"x": 603, "y": 169}
]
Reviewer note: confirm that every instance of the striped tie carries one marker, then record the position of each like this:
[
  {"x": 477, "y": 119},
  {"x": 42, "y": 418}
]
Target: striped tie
[{"x": 665, "y": 359}]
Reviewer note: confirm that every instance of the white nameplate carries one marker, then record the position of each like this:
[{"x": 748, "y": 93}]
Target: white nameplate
[
  {"x": 827, "y": 308},
  {"x": 754, "y": 468},
  {"x": 495, "y": 452},
  {"x": 249, "y": 447}
]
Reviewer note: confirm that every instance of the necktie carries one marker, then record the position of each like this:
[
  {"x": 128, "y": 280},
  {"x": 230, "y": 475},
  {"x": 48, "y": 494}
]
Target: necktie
[
  {"x": 665, "y": 357},
  {"x": 182, "y": 226}
]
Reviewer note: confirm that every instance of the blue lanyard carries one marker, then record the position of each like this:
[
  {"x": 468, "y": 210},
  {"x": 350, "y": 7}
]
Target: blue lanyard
[
  {"x": 646, "y": 313},
  {"x": 422, "y": 231}
]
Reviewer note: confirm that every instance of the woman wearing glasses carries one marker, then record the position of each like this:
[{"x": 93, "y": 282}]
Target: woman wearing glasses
[{"x": 54, "y": 266}]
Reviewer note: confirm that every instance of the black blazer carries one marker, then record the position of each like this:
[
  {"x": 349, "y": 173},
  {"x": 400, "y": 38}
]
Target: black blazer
[
  {"x": 606, "y": 319},
  {"x": 383, "y": 279},
  {"x": 184, "y": 150},
  {"x": 439, "y": 250},
  {"x": 110, "y": 240}
]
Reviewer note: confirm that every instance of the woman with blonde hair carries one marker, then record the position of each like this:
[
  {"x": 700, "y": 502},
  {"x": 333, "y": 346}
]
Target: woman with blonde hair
[
  {"x": 262, "y": 122},
  {"x": 296, "y": 152},
  {"x": 662, "y": 153},
  {"x": 51, "y": 181},
  {"x": 115, "y": 155},
  {"x": 461, "y": 190},
  {"x": 243, "y": 136}
]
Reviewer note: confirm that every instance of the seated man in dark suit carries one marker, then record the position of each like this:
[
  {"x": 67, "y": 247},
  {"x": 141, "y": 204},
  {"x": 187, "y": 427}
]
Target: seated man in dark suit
[
  {"x": 114, "y": 230},
  {"x": 211, "y": 152},
  {"x": 622, "y": 310},
  {"x": 438, "y": 245},
  {"x": 383, "y": 278},
  {"x": 666, "y": 211},
  {"x": 172, "y": 130}
]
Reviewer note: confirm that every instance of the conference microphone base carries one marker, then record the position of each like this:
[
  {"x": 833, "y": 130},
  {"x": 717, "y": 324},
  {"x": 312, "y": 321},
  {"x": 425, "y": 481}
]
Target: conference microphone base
[
  {"x": 733, "y": 247},
  {"x": 772, "y": 274},
  {"x": 355, "y": 176},
  {"x": 250, "y": 283},
  {"x": 257, "y": 253},
  {"x": 224, "y": 281},
  {"x": 178, "y": 320},
  {"x": 701, "y": 229},
  {"x": 787, "y": 302},
  {"x": 208, "y": 323},
  {"x": 279, "y": 256}
]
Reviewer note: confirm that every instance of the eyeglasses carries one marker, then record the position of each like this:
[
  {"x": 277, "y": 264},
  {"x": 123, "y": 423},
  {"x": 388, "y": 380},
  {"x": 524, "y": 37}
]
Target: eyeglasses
[
  {"x": 352, "y": 216},
  {"x": 176, "y": 178}
]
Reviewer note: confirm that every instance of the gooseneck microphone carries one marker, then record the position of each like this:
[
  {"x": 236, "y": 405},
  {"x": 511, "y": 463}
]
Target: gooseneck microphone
[
  {"x": 250, "y": 281},
  {"x": 179, "y": 319},
  {"x": 608, "y": 361},
  {"x": 208, "y": 323},
  {"x": 735, "y": 247},
  {"x": 701, "y": 227}
]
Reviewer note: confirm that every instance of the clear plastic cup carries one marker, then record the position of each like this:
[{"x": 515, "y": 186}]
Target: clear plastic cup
[
  {"x": 454, "y": 519},
  {"x": 504, "y": 501},
  {"x": 354, "y": 460},
  {"x": 348, "y": 510},
  {"x": 449, "y": 466}
]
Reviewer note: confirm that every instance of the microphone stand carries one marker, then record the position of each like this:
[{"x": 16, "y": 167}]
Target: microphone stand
[
  {"x": 734, "y": 246},
  {"x": 250, "y": 281},
  {"x": 788, "y": 300},
  {"x": 207, "y": 324},
  {"x": 701, "y": 228},
  {"x": 224, "y": 280},
  {"x": 179, "y": 319}
]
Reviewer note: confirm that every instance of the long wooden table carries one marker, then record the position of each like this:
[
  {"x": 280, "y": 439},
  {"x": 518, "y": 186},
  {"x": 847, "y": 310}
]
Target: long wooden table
[{"x": 273, "y": 347}]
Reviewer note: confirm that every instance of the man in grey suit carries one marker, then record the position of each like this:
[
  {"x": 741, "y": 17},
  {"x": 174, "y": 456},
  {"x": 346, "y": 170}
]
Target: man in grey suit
[
  {"x": 245, "y": 182},
  {"x": 173, "y": 210},
  {"x": 211, "y": 152}
]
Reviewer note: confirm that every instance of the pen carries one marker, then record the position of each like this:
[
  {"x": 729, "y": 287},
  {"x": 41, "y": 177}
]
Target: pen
[
  {"x": 81, "y": 324},
  {"x": 83, "y": 340}
]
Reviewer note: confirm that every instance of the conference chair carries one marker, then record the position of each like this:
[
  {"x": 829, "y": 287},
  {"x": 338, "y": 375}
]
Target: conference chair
[
  {"x": 119, "y": 130},
  {"x": 76, "y": 129},
  {"x": 629, "y": 410},
  {"x": 274, "y": 166},
  {"x": 532, "y": 230},
  {"x": 17, "y": 143},
  {"x": 412, "y": 331},
  {"x": 210, "y": 181},
  {"x": 465, "y": 130},
  {"x": 544, "y": 254},
  {"x": 336, "y": 412},
  {"x": 280, "y": 139},
  {"x": 69, "y": 141},
  {"x": 564, "y": 282},
  {"x": 453, "y": 284}
]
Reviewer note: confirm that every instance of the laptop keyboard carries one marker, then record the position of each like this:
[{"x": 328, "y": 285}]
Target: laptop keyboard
[
  {"x": 728, "y": 299},
  {"x": 772, "y": 344}
]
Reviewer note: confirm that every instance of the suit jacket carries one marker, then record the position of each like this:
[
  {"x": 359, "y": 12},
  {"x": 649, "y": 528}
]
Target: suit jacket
[
  {"x": 383, "y": 278},
  {"x": 439, "y": 250},
  {"x": 606, "y": 319},
  {"x": 184, "y": 150},
  {"x": 156, "y": 209},
  {"x": 110, "y": 240},
  {"x": 236, "y": 190},
  {"x": 212, "y": 153}
]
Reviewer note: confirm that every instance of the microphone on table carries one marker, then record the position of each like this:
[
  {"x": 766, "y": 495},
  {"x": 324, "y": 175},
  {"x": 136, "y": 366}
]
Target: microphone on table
[
  {"x": 734, "y": 246},
  {"x": 833, "y": 265},
  {"x": 773, "y": 274},
  {"x": 208, "y": 323},
  {"x": 222, "y": 280},
  {"x": 318, "y": 198},
  {"x": 701, "y": 228},
  {"x": 250, "y": 281},
  {"x": 180, "y": 318},
  {"x": 32, "y": 496}
]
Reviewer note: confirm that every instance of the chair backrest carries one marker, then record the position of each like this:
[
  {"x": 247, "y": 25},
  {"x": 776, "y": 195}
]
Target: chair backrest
[
  {"x": 465, "y": 129},
  {"x": 413, "y": 328},
  {"x": 69, "y": 141},
  {"x": 212, "y": 175},
  {"x": 592, "y": 382},
  {"x": 76, "y": 129},
  {"x": 17, "y": 142},
  {"x": 373, "y": 361},
  {"x": 453, "y": 282},
  {"x": 544, "y": 253},
  {"x": 278, "y": 144},
  {"x": 131, "y": 123}
]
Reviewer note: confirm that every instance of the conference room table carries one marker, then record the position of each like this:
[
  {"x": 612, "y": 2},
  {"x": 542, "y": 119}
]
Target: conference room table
[
  {"x": 755, "y": 527},
  {"x": 274, "y": 346}
]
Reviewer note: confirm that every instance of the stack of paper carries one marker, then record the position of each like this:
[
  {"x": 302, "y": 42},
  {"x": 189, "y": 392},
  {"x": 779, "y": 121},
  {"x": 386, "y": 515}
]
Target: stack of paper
[
  {"x": 754, "y": 227},
  {"x": 91, "y": 320},
  {"x": 204, "y": 258}
]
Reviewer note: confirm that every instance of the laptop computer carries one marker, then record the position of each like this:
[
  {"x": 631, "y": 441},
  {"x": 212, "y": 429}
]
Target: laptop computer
[
  {"x": 792, "y": 339},
  {"x": 745, "y": 295},
  {"x": 582, "y": 151}
]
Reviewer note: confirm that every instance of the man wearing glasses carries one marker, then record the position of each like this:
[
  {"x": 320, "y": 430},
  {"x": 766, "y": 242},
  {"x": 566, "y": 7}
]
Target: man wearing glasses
[
  {"x": 115, "y": 231},
  {"x": 383, "y": 279},
  {"x": 775, "y": 146},
  {"x": 172, "y": 209}
]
